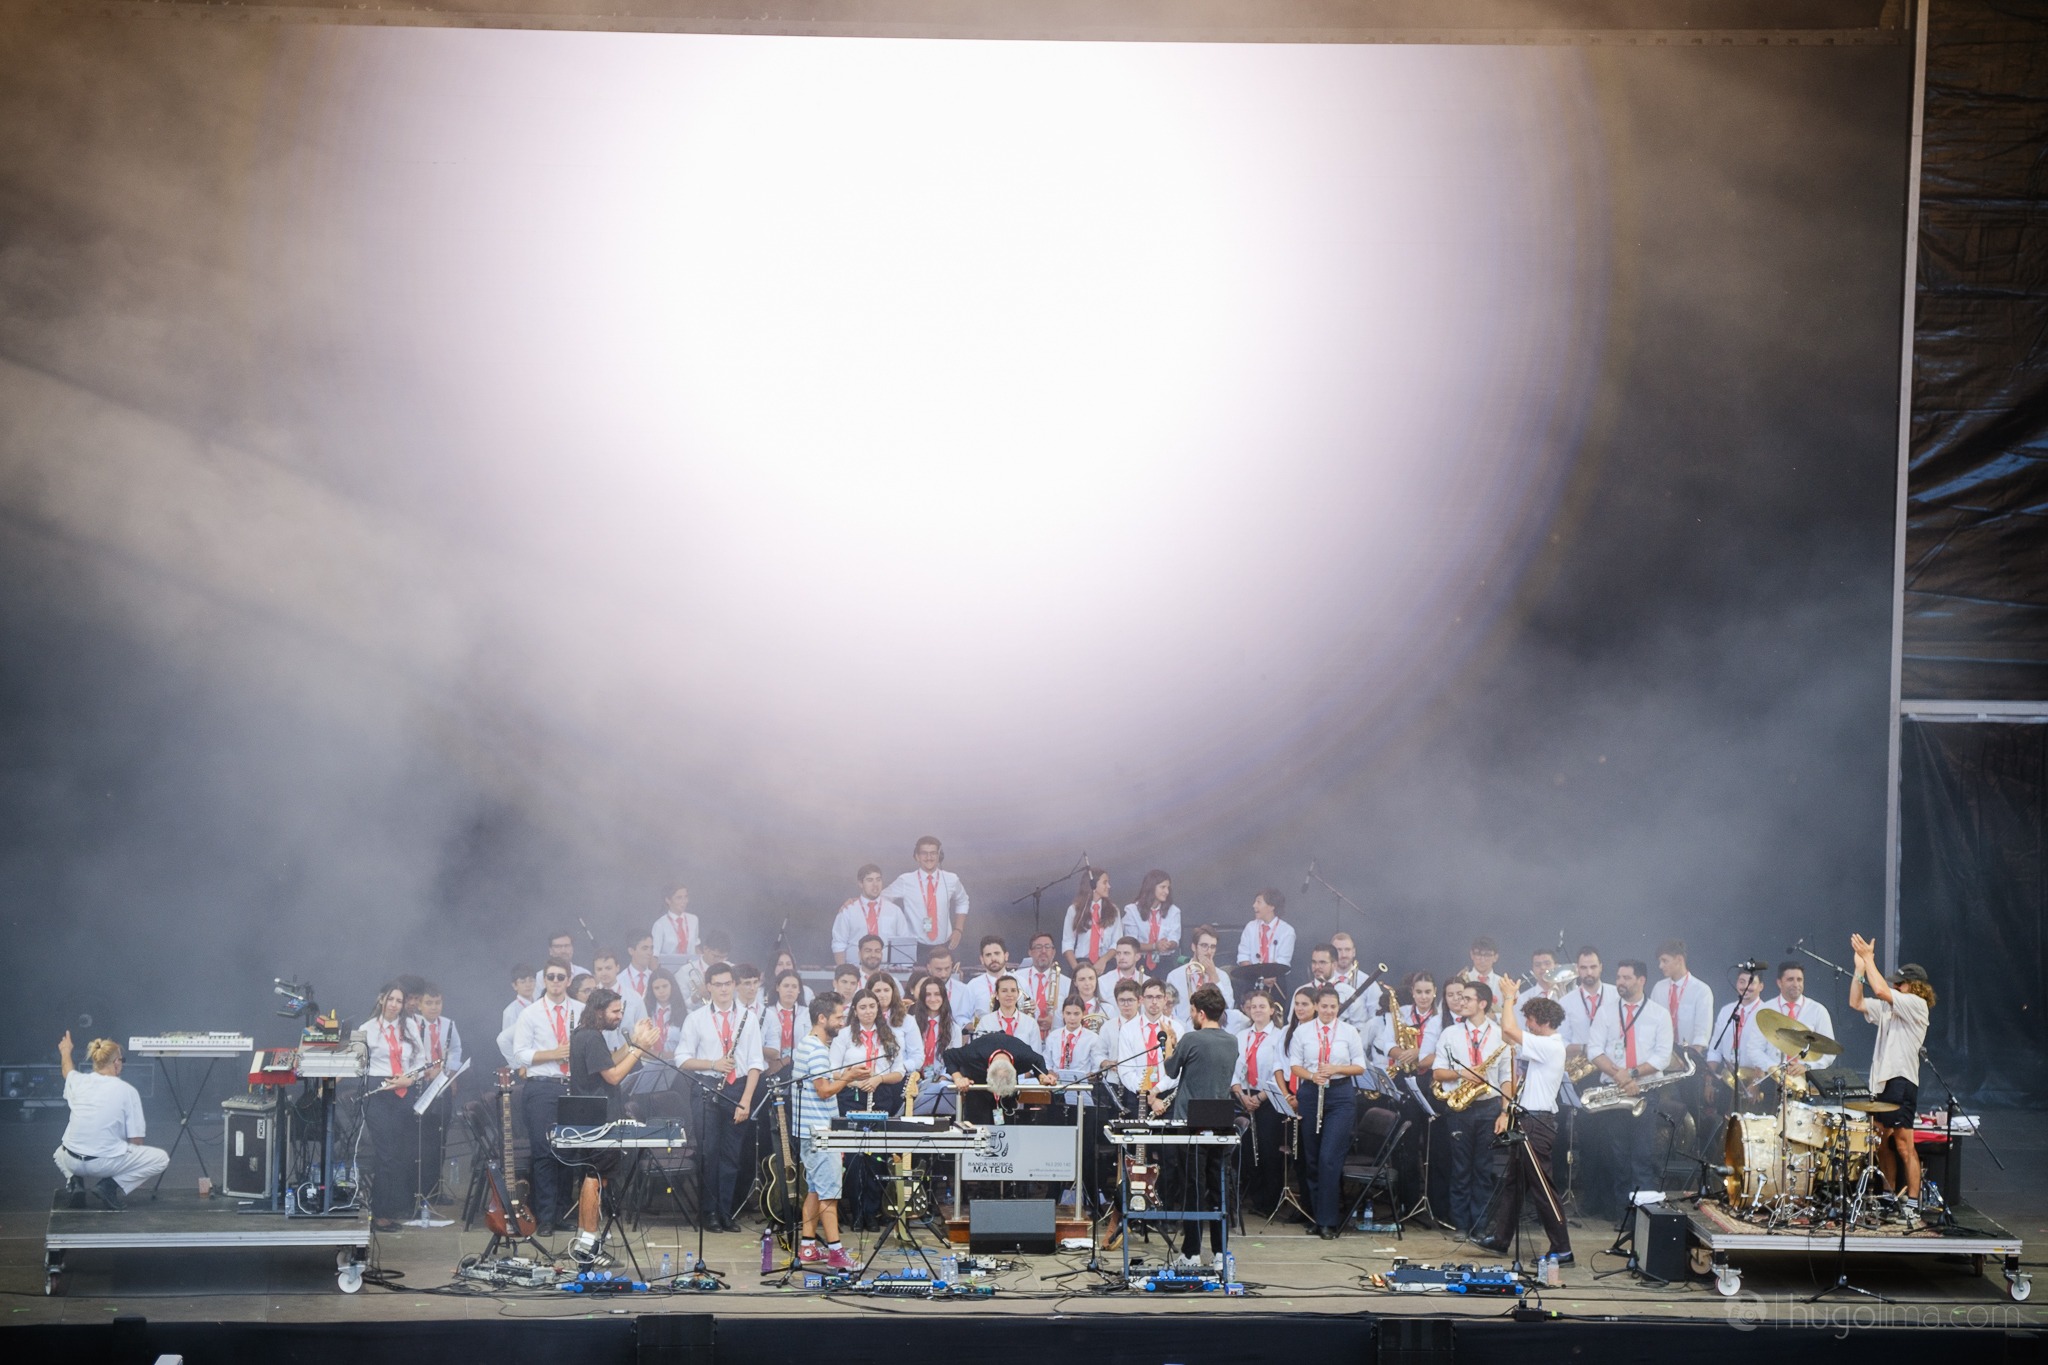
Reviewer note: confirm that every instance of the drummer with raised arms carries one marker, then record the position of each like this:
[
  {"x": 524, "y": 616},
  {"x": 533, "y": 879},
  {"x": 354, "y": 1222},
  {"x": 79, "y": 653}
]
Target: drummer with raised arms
[{"x": 1900, "y": 1010}]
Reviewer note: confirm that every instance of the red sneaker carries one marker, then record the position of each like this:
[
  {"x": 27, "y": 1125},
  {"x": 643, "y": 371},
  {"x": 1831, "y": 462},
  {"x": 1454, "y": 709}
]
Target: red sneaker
[
  {"x": 837, "y": 1259},
  {"x": 810, "y": 1254}
]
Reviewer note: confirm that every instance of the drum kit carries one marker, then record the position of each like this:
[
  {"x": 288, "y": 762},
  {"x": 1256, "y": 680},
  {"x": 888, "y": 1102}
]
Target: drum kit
[{"x": 1809, "y": 1163}]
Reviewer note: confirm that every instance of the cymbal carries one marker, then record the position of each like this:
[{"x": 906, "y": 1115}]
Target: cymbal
[
  {"x": 1787, "y": 1036},
  {"x": 1871, "y": 1106},
  {"x": 1749, "y": 1073}
]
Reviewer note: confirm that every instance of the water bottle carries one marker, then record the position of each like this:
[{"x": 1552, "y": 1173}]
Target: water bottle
[
  {"x": 664, "y": 1265},
  {"x": 949, "y": 1267},
  {"x": 689, "y": 1263},
  {"x": 1551, "y": 1275},
  {"x": 1230, "y": 1267}
]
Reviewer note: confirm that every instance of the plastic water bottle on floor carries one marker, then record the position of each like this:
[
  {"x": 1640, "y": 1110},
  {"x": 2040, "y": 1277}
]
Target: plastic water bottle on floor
[
  {"x": 949, "y": 1268},
  {"x": 664, "y": 1265}
]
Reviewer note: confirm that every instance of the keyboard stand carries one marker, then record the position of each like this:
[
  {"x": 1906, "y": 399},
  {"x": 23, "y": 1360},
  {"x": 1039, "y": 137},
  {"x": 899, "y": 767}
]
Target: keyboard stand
[{"x": 185, "y": 1113}]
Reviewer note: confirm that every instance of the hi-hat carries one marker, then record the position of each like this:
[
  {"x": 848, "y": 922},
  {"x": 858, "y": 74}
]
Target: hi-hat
[
  {"x": 1787, "y": 1036},
  {"x": 1871, "y": 1106}
]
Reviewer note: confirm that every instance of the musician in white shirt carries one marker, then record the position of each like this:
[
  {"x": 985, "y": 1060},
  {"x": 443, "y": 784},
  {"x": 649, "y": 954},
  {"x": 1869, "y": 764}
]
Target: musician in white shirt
[
  {"x": 1261, "y": 1056},
  {"x": 540, "y": 1045},
  {"x": 1044, "y": 989},
  {"x": 722, "y": 1045},
  {"x": 1090, "y": 924},
  {"x": 1901, "y": 1011},
  {"x": 1199, "y": 971},
  {"x": 676, "y": 933},
  {"x": 562, "y": 949},
  {"x": 1268, "y": 938},
  {"x": 1792, "y": 1002},
  {"x": 1073, "y": 1051},
  {"x": 1326, "y": 1056},
  {"x": 1484, "y": 954},
  {"x": 1589, "y": 1006},
  {"x": 933, "y": 899},
  {"x": 1125, "y": 1000},
  {"x": 714, "y": 946},
  {"x": 941, "y": 963},
  {"x": 1126, "y": 968},
  {"x": 1361, "y": 1003},
  {"x": 394, "y": 1128},
  {"x": 604, "y": 968},
  {"x": 784, "y": 1022},
  {"x": 870, "y": 913},
  {"x": 1473, "y": 1050},
  {"x": 440, "y": 1045},
  {"x": 981, "y": 991},
  {"x": 638, "y": 973},
  {"x": 1636, "y": 1046},
  {"x": 102, "y": 1144},
  {"x": 1141, "y": 1046},
  {"x": 522, "y": 996},
  {"x": 1529, "y": 1160},
  {"x": 1153, "y": 919},
  {"x": 1006, "y": 1017},
  {"x": 1688, "y": 1000},
  {"x": 1737, "y": 1043}
]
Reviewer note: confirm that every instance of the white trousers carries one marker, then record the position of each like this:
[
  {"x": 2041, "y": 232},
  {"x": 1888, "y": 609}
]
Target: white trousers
[{"x": 131, "y": 1167}]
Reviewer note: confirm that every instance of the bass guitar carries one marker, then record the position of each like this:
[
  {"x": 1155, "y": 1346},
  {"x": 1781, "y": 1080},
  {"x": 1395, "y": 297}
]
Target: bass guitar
[{"x": 505, "y": 1214}]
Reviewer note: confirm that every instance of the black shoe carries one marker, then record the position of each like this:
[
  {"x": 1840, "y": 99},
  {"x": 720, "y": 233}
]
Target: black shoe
[
  {"x": 1562, "y": 1257},
  {"x": 1488, "y": 1244},
  {"x": 565, "y": 1222},
  {"x": 73, "y": 1195},
  {"x": 1312, "y": 1230},
  {"x": 110, "y": 1194},
  {"x": 1327, "y": 1234}
]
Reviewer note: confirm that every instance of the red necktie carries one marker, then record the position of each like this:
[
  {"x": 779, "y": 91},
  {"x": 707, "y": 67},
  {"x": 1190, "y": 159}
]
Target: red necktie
[
  {"x": 931, "y": 1039},
  {"x": 931, "y": 905},
  {"x": 1672, "y": 997},
  {"x": 1472, "y": 1038},
  {"x": 1151, "y": 1044},
  {"x": 1152, "y": 933},
  {"x": 680, "y": 927},
  {"x": 874, "y": 914},
  {"x": 1265, "y": 943},
  {"x": 1628, "y": 1029},
  {"x": 434, "y": 1041},
  {"x": 391, "y": 1046},
  {"x": 1094, "y": 930},
  {"x": 1251, "y": 1062},
  {"x": 1067, "y": 1052},
  {"x": 561, "y": 1028},
  {"x": 1323, "y": 1056},
  {"x": 788, "y": 1030},
  {"x": 1792, "y": 1008},
  {"x": 725, "y": 1040},
  {"x": 867, "y": 1044},
  {"x": 1042, "y": 1007},
  {"x": 661, "y": 1020},
  {"x": 1009, "y": 1024}
]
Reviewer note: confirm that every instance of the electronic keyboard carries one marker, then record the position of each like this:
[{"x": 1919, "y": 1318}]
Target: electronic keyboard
[
  {"x": 212, "y": 1044},
  {"x": 880, "y": 1121},
  {"x": 620, "y": 1135},
  {"x": 332, "y": 1063}
]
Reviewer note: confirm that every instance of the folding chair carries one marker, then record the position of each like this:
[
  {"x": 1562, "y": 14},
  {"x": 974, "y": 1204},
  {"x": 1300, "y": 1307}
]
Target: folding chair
[{"x": 1376, "y": 1173}]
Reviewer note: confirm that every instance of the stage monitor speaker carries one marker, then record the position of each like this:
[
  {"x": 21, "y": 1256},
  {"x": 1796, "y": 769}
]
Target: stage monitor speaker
[
  {"x": 1660, "y": 1242},
  {"x": 1010, "y": 1225}
]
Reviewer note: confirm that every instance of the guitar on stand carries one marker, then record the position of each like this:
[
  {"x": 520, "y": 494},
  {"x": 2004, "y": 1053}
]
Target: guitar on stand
[
  {"x": 782, "y": 1192},
  {"x": 511, "y": 1222}
]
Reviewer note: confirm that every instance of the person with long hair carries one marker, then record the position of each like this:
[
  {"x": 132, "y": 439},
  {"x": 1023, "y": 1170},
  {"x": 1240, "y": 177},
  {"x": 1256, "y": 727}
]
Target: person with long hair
[
  {"x": 931, "y": 1019},
  {"x": 103, "y": 1141},
  {"x": 1900, "y": 1009},
  {"x": 870, "y": 1042},
  {"x": 1090, "y": 932},
  {"x": 596, "y": 1068},
  {"x": 785, "y": 961},
  {"x": 665, "y": 1008},
  {"x": 1153, "y": 919},
  {"x": 894, "y": 1007},
  {"x": 394, "y": 1051},
  {"x": 1259, "y": 1093}
]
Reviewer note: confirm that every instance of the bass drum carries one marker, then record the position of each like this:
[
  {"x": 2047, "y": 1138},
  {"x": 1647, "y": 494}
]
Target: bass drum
[
  {"x": 1755, "y": 1159},
  {"x": 1820, "y": 1125}
]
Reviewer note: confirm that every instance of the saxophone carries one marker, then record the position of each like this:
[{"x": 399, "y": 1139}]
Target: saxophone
[
  {"x": 1406, "y": 1035},
  {"x": 1603, "y": 1099},
  {"x": 1472, "y": 1087}
]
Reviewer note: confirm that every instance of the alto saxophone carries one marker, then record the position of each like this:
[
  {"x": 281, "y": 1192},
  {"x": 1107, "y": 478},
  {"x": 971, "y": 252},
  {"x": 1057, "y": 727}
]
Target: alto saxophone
[{"x": 1472, "y": 1087}]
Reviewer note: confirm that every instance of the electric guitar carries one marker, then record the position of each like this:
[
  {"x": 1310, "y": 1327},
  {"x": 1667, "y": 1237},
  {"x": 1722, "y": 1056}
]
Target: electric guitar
[{"x": 504, "y": 1213}]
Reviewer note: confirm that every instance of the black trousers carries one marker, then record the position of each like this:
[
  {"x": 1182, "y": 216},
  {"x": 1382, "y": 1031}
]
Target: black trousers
[
  {"x": 1528, "y": 1174},
  {"x": 394, "y": 1151},
  {"x": 434, "y": 1141},
  {"x": 1475, "y": 1165},
  {"x": 552, "y": 1195},
  {"x": 1198, "y": 1187},
  {"x": 1262, "y": 1159},
  {"x": 720, "y": 1142}
]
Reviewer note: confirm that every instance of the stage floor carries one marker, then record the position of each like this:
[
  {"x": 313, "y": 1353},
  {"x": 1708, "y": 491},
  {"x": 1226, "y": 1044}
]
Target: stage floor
[{"x": 1289, "y": 1272}]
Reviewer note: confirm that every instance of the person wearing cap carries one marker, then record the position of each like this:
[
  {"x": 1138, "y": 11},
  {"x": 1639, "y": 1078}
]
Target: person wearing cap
[{"x": 1900, "y": 1010}]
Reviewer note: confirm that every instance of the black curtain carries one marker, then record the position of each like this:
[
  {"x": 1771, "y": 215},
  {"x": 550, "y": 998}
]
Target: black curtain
[
  {"x": 1973, "y": 885},
  {"x": 1977, "y": 517}
]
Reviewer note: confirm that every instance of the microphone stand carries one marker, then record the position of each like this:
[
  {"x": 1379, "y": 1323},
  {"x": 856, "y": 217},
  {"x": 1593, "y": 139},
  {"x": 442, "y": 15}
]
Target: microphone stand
[
  {"x": 1342, "y": 899},
  {"x": 1037, "y": 893}
]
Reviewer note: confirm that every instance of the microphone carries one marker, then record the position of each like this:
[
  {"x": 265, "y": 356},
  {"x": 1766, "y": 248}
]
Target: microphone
[
  {"x": 1754, "y": 964},
  {"x": 1308, "y": 876}
]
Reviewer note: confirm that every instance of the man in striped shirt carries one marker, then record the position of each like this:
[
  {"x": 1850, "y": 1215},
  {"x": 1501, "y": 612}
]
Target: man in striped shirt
[{"x": 816, "y": 1087}]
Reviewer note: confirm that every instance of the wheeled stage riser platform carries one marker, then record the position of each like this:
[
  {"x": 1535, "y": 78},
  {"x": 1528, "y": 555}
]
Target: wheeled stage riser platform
[{"x": 184, "y": 1223}]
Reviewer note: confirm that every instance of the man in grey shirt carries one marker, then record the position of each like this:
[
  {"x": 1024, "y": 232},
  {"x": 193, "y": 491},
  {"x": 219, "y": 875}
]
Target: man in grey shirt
[{"x": 1204, "y": 1062}]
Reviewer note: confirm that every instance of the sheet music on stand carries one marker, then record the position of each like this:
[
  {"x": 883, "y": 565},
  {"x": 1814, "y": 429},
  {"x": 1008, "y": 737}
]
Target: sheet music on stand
[{"x": 437, "y": 1085}]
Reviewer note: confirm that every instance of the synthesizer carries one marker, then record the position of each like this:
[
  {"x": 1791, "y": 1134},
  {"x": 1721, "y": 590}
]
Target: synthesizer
[
  {"x": 895, "y": 1141},
  {"x": 330, "y": 1063},
  {"x": 212, "y": 1044},
  {"x": 879, "y": 1122}
]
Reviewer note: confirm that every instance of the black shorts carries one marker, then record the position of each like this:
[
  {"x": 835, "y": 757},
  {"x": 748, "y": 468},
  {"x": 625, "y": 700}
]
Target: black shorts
[{"x": 1905, "y": 1094}]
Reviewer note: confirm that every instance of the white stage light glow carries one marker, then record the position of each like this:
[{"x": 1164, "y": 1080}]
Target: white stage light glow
[{"x": 1020, "y": 439}]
